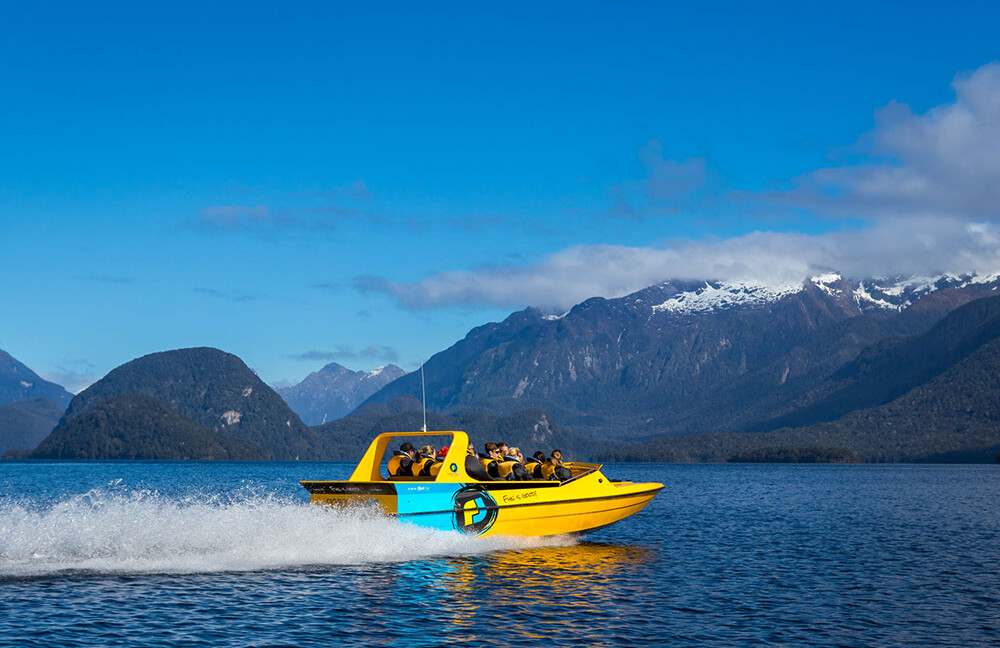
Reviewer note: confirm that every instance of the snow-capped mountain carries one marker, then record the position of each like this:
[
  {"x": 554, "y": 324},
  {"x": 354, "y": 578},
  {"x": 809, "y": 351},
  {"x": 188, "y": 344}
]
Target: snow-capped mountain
[
  {"x": 684, "y": 356},
  {"x": 334, "y": 391},
  {"x": 882, "y": 293}
]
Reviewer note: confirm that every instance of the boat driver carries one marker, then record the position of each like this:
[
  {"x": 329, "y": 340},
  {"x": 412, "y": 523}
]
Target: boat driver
[{"x": 401, "y": 463}]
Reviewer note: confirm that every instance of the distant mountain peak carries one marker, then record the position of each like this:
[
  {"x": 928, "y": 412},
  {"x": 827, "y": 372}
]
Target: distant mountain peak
[
  {"x": 19, "y": 383},
  {"x": 334, "y": 368},
  {"x": 721, "y": 295},
  {"x": 378, "y": 371},
  {"x": 335, "y": 391}
]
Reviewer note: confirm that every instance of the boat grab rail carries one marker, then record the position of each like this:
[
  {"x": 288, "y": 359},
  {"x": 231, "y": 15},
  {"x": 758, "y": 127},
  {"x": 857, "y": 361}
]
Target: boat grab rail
[{"x": 594, "y": 468}]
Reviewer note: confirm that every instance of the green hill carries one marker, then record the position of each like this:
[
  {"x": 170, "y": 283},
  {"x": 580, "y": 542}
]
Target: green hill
[
  {"x": 212, "y": 388},
  {"x": 140, "y": 427}
]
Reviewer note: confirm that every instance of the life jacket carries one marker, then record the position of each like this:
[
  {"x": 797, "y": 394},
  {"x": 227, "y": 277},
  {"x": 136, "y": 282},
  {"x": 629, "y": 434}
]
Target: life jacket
[
  {"x": 436, "y": 468},
  {"x": 400, "y": 465},
  {"x": 489, "y": 465},
  {"x": 422, "y": 466},
  {"x": 520, "y": 473},
  {"x": 512, "y": 470},
  {"x": 547, "y": 471},
  {"x": 533, "y": 467}
]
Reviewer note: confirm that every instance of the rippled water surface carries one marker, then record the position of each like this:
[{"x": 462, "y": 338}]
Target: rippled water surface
[{"x": 231, "y": 554}]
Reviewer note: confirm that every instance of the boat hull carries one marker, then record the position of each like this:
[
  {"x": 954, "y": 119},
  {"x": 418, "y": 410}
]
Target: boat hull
[{"x": 530, "y": 508}]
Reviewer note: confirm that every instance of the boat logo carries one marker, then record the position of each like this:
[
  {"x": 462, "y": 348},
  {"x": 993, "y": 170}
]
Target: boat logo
[{"x": 475, "y": 510}]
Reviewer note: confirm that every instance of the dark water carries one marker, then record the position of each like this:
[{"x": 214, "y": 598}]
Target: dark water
[{"x": 203, "y": 554}]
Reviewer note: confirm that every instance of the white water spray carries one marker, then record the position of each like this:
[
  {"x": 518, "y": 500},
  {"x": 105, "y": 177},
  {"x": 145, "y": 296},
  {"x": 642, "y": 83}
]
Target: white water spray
[{"x": 109, "y": 532}]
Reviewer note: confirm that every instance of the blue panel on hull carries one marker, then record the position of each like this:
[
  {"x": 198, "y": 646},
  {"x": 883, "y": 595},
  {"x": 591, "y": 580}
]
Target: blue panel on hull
[
  {"x": 425, "y": 498},
  {"x": 448, "y": 507}
]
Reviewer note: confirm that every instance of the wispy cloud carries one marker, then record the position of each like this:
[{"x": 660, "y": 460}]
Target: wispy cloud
[
  {"x": 316, "y": 211},
  {"x": 348, "y": 353},
  {"x": 943, "y": 162},
  {"x": 73, "y": 374},
  {"x": 329, "y": 286},
  {"x": 667, "y": 186},
  {"x": 557, "y": 281},
  {"x": 233, "y": 216},
  {"x": 109, "y": 279},
  {"x": 229, "y": 295},
  {"x": 357, "y": 190}
]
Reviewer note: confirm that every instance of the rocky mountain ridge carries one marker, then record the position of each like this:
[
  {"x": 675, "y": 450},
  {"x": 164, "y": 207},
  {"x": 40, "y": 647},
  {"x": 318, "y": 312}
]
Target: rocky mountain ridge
[
  {"x": 19, "y": 383},
  {"x": 684, "y": 357},
  {"x": 335, "y": 391}
]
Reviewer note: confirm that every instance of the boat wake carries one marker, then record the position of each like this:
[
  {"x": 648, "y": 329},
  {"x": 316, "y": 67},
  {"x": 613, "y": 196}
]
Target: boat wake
[{"x": 106, "y": 531}]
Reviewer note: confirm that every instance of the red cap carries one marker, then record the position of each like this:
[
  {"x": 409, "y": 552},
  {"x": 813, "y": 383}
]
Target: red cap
[{"x": 442, "y": 452}]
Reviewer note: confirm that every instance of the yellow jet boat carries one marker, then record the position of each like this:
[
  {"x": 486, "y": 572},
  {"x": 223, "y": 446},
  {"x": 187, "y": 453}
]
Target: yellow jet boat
[{"x": 454, "y": 500}]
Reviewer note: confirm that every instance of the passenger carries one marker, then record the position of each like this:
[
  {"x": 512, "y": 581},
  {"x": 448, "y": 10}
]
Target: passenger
[
  {"x": 511, "y": 466},
  {"x": 502, "y": 448},
  {"x": 535, "y": 464},
  {"x": 491, "y": 460},
  {"x": 560, "y": 472},
  {"x": 475, "y": 469},
  {"x": 548, "y": 470},
  {"x": 472, "y": 450},
  {"x": 401, "y": 462},
  {"x": 424, "y": 462},
  {"x": 442, "y": 453}
]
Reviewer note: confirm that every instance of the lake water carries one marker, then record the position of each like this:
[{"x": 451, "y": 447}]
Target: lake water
[{"x": 231, "y": 554}]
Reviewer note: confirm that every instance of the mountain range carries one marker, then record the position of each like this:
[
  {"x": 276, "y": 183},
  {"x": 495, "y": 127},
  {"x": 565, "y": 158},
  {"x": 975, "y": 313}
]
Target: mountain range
[
  {"x": 335, "y": 391},
  {"x": 828, "y": 369},
  {"x": 683, "y": 358}
]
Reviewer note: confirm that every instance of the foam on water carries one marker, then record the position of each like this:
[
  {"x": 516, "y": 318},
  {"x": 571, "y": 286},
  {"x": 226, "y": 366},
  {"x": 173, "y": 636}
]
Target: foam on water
[{"x": 106, "y": 531}]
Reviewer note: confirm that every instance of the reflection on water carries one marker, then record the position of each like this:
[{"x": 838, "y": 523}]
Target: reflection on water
[
  {"x": 540, "y": 593},
  {"x": 537, "y": 588},
  {"x": 729, "y": 555}
]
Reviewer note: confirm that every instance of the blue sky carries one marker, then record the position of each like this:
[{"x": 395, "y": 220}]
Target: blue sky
[{"x": 366, "y": 182}]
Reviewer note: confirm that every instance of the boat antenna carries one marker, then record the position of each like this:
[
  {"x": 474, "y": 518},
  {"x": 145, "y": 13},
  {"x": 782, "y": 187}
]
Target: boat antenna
[{"x": 423, "y": 395}]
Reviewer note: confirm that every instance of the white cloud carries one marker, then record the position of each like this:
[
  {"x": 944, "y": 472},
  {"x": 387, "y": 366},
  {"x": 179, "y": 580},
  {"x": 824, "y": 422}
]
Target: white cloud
[
  {"x": 945, "y": 162},
  {"x": 908, "y": 246}
]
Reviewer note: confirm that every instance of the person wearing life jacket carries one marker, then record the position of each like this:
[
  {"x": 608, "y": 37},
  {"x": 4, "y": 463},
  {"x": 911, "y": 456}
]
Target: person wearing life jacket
[
  {"x": 532, "y": 465},
  {"x": 401, "y": 462},
  {"x": 535, "y": 464},
  {"x": 561, "y": 472},
  {"x": 424, "y": 462},
  {"x": 511, "y": 467},
  {"x": 548, "y": 470},
  {"x": 491, "y": 459}
]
